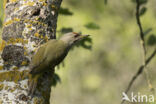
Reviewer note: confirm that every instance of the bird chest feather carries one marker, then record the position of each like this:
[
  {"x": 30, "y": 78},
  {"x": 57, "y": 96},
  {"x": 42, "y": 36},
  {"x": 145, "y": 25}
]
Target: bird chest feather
[{"x": 56, "y": 52}]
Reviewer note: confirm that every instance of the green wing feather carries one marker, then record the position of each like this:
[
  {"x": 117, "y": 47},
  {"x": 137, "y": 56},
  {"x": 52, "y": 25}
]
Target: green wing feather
[{"x": 48, "y": 55}]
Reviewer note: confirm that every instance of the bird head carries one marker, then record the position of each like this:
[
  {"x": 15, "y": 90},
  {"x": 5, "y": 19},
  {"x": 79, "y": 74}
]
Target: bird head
[{"x": 72, "y": 37}]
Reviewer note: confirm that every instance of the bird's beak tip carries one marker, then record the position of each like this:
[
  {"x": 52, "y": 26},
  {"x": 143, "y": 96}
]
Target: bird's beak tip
[
  {"x": 87, "y": 35},
  {"x": 84, "y": 36}
]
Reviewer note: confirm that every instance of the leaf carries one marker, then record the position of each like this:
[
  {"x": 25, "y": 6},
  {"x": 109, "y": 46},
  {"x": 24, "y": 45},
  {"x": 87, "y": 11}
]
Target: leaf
[
  {"x": 134, "y": 1},
  {"x": 147, "y": 31},
  {"x": 61, "y": 64},
  {"x": 105, "y": 2},
  {"x": 56, "y": 79},
  {"x": 143, "y": 11},
  {"x": 65, "y": 11},
  {"x": 85, "y": 43},
  {"x": 66, "y": 30},
  {"x": 152, "y": 40},
  {"x": 92, "y": 25},
  {"x": 142, "y": 2}
]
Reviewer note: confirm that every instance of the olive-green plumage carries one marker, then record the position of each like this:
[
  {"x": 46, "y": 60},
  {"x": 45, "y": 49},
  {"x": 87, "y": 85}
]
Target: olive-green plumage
[{"x": 49, "y": 55}]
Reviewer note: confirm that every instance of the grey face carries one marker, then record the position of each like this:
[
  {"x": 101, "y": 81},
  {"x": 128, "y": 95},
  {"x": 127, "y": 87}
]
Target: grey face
[{"x": 72, "y": 37}]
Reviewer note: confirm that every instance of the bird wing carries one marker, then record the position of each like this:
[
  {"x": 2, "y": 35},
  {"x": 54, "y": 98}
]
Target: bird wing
[
  {"x": 55, "y": 53},
  {"x": 39, "y": 57},
  {"x": 48, "y": 55}
]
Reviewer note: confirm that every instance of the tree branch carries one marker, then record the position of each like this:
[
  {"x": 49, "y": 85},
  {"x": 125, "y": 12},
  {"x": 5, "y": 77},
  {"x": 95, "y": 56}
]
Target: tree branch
[
  {"x": 145, "y": 61},
  {"x": 140, "y": 70}
]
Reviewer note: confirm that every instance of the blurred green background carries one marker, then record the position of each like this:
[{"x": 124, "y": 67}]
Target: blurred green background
[{"x": 99, "y": 75}]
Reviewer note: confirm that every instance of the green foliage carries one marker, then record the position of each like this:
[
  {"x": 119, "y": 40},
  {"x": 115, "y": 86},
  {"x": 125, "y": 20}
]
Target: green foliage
[
  {"x": 133, "y": 1},
  {"x": 105, "y": 1},
  {"x": 152, "y": 40},
  {"x": 140, "y": 1},
  {"x": 66, "y": 30},
  {"x": 115, "y": 54},
  {"x": 143, "y": 1},
  {"x": 65, "y": 11},
  {"x": 143, "y": 11},
  {"x": 85, "y": 43},
  {"x": 92, "y": 25},
  {"x": 147, "y": 31},
  {"x": 56, "y": 79}
]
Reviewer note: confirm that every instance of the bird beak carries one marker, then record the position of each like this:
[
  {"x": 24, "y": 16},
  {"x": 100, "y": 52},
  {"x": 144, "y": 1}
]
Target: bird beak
[{"x": 83, "y": 36}]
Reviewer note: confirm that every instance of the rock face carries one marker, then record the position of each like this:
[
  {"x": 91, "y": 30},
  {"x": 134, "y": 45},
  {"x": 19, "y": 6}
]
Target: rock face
[{"x": 27, "y": 25}]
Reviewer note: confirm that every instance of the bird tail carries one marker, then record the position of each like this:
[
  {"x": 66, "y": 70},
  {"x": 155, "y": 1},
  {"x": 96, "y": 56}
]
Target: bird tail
[{"x": 32, "y": 84}]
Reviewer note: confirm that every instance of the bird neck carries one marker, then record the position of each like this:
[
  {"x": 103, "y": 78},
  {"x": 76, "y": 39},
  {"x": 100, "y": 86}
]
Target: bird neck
[{"x": 68, "y": 46}]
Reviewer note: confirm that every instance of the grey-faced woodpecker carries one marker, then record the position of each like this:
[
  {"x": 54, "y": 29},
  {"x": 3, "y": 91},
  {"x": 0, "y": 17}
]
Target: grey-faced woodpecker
[{"x": 49, "y": 55}]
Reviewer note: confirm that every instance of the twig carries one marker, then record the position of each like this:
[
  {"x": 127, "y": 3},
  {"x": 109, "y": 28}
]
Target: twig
[
  {"x": 140, "y": 70},
  {"x": 140, "y": 28},
  {"x": 145, "y": 61},
  {"x": 142, "y": 41}
]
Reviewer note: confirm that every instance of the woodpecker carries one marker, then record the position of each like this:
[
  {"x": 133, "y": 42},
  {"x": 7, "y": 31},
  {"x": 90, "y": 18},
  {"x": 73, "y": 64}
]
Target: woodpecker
[{"x": 49, "y": 55}]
